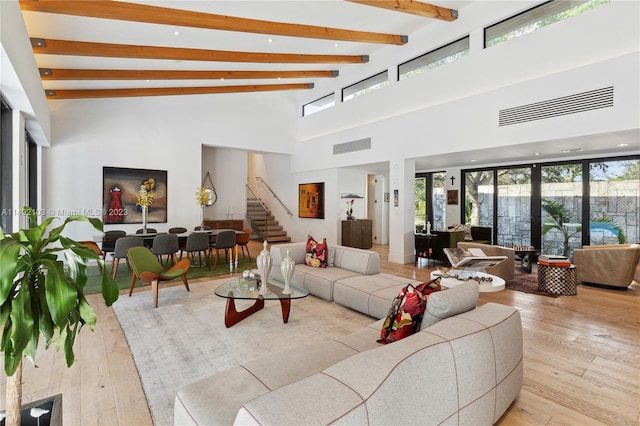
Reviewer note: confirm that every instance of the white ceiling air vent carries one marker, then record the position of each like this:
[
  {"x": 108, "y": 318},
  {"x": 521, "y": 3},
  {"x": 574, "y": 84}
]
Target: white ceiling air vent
[
  {"x": 359, "y": 145},
  {"x": 572, "y": 104}
]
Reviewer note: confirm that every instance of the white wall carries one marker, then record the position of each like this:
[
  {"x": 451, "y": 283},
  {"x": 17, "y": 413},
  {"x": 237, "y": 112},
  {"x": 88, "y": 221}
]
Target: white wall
[
  {"x": 228, "y": 169},
  {"x": 165, "y": 133},
  {"x": 608, "y": 31},
  {"x": 20, "y": 80}
]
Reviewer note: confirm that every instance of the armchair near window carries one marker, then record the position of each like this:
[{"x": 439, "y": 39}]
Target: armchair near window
[
  {"x": 504, "y": 269},
  {"x": 611, "y": 265}
]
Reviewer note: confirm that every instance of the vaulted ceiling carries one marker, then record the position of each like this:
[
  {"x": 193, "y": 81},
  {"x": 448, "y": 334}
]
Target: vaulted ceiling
[{"x": 100, "y": 49}]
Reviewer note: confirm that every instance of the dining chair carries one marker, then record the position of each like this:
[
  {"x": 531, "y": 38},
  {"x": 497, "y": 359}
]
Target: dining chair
[
  {"x": 147, "y": 269},
  {"x": 149, "y": 231},
  {"x": 93, "y": 246},
  {"x": 198, "y": 242},
  {"x": 120, "y": 251},
  {"x": 166, "y": 244},
  {"x": 177, "y": 230},
  {"x": 243, "y": 241},
  {"x": 182, "y": 241},
  {"x": 225, "y": 240},
  {"x": 109, "y": 241}
]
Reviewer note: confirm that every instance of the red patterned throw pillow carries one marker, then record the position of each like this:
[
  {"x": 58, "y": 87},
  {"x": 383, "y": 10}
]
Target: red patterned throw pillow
[
  {"x": 405, "y": 314},
  {"x": 317, "y": 253}
]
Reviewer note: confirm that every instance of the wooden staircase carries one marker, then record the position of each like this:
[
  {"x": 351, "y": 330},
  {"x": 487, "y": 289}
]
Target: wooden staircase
[{"x": 264, "y": 225}]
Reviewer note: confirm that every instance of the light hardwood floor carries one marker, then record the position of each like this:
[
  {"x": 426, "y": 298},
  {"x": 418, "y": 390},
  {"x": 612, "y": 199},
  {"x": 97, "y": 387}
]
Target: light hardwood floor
[{"x": 581, "y": 366}]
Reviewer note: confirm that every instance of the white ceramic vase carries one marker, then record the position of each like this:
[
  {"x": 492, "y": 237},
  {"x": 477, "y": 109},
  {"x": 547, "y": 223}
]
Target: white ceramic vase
[
  {"x": 287, "y": 267},
  {"x": 263, "y": 262}
]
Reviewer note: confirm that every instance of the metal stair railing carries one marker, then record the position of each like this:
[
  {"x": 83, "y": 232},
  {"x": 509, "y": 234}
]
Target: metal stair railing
[
  {"x": 259, "y": 179},
  {"x": 266, "y": 213}
]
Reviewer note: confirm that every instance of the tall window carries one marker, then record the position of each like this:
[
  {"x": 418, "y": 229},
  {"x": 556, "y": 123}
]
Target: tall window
[
  {"x": 32, "y": 171},
  {"x": 536, "y": 18},
  {"x": 365, "y": 86},
  {"x": 435, "y": 58},
  {"x": 561, "y": 202},
  {"x": 514, "y": 207},
  {"x": 547, "y": 205},
  {"x": 478, "y": 191},
  {"x": 6, "y": 181},
  {"x": 614, "y": 200},
  {"x": 430, "y": 205}
]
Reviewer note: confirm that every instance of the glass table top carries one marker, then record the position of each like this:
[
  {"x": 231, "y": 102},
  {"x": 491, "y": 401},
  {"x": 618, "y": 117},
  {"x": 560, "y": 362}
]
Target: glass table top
[{"x": 240, "y": 288}]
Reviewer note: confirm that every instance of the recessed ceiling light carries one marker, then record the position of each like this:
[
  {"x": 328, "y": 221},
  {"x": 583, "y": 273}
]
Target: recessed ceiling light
[
  {"x": 473, "y": 161},
  {"x": 270, "y": 40},
  {"x": 564, "y": 151},
  {"x": 148, "y": 81},
  {"x": 335, "y": 45},
  {"x": 177, "y": 33},
  {"x": 622, "y": 144},
  {"x": 536, "y": 154}
]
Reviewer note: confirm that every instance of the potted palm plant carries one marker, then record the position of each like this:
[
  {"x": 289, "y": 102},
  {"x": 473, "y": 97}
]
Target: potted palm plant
[
  {"x": 560, "y": 216},
  {"x": 42, "y": 296}
]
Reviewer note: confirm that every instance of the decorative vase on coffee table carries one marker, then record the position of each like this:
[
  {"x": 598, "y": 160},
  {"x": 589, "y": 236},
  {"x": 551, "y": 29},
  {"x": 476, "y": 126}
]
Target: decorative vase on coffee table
[
  {"x": 287, "y": 267},
  {"x": 263, "y": 262}
]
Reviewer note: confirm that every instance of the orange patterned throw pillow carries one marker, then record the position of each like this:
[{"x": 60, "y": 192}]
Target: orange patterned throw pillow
[
  {"x": 405, "y": 314},
  {"x": 316, "y": 253}
]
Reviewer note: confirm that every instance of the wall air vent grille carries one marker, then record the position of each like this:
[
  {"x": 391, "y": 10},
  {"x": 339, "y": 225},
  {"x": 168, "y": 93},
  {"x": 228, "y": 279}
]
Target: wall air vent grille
[
  {"x": 359, "y": 145},
  {"x": 572, "y": 104}
]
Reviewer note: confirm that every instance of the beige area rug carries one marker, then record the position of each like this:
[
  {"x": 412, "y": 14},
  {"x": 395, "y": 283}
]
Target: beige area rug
[{"x": 185, "y": 340}]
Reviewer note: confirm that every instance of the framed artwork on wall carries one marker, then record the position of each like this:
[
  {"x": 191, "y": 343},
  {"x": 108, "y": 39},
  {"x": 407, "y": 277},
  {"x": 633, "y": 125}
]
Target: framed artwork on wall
[
  {"x": 452, "y": 196},
  {"x": 119, "y": 189},
  {"x": 311, "y": 200}
]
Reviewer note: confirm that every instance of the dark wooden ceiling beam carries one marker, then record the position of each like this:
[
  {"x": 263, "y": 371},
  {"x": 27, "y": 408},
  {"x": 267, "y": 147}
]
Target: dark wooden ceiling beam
[
  {"x": 93, "y": 74},
  {"x": 177, "y": 17},
  {"x": 413, "y": 7},
  {"x": 81, "y": 48},
  {"x": 169, "y": 91}
]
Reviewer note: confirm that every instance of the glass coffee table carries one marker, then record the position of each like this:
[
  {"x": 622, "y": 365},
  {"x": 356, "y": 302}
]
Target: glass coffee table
[{"x": 246, "y": 289}]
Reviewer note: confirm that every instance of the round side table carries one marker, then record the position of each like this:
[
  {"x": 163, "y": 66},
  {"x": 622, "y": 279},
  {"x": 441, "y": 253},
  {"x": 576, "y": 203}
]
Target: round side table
[{"x": 557, "y": 280}]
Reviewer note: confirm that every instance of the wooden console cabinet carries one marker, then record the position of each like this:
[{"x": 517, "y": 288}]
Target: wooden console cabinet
[
  {"x": 238, "y": 225},
  {"x": 357, "y": 233}
]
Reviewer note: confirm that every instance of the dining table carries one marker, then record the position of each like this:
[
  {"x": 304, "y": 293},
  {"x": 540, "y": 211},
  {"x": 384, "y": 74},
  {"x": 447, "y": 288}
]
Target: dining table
[{"x": 182, "y": 237}]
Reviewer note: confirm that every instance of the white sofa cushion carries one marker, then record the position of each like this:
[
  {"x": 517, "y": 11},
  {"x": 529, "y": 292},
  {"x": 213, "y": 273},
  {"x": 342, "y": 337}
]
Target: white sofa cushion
[
  {"x": 452, "y": 301},
  {"x": 364, "y": 262}
]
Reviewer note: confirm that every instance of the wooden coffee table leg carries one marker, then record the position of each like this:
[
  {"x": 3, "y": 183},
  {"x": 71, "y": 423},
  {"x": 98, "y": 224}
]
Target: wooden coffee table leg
[
  {"x": 285, "y": 304},
  {"x": 232, "y": 316}
]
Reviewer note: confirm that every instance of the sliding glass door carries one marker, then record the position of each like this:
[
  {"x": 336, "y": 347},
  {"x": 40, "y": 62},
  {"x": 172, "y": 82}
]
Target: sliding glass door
[
  {"x": 614, "y": 197},
  {"x": 514, "y": 207},
  {"x": 438, "y": 200},
  {"x": 430, "y": 200},
  {"x": 561, "y": 203},
  {"x": 478, "y": 198}
]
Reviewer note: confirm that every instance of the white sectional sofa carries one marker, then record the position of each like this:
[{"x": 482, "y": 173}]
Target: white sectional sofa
[
  {"x": 464, "y": 366},
  {"x": 352, "y": 277}
]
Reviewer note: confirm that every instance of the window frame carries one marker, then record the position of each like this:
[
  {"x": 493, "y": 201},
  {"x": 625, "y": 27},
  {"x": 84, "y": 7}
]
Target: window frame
[
  {"x": 333, "y": 103},
  {"x": 426, "y": 66},
  {"x": 368, "y": 89}
]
